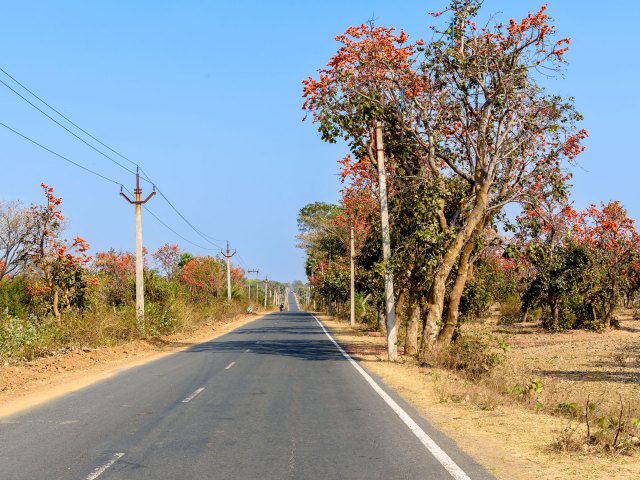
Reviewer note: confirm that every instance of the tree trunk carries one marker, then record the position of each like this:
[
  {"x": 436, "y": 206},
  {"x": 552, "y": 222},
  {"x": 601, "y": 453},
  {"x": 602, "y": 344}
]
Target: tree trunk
[
  {"x": 435, "y": 302},
  {"x": 411, "y": 339},
  {"x": 453, "y": 307},
  {"x": 400, "y": 301},
  {"x": 56, "y": 302},
  {"x": 382, "y": 326}
]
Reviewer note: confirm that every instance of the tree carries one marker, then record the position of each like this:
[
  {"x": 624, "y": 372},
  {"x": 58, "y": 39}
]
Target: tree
[
  {"x": 119, "y": 269},
  {"x": 14, "y": 229},
  {"x": 168, "y": 257},
  {"x": 203, "y": 276},
  {"x": 56, "y": 264},
  {"x": 471, "y": 115},
  {"x": 614, "y": 246}
]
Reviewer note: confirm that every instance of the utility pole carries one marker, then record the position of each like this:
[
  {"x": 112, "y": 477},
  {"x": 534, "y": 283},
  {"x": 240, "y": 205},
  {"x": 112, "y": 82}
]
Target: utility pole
[
  {"x": 256, "y": 271},
  {"x": 138, "y": 202},
  {"x": 389, "y": 300},
  {"x": 352, "y": 254},
  {"x": 228, "y": 256},
  {"x": 266, "y": 285}
]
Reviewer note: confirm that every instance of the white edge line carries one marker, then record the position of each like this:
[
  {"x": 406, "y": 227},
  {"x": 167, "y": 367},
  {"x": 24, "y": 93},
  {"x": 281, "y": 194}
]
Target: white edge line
[
  {"x": 193, "y": 395},
  {"x": 230, "y": 365},
  {"x": 102, "y": 468},
  {"x": 445, "y": 460}
]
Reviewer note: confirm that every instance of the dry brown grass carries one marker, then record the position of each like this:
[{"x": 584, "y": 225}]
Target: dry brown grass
[{"x": 522, "y": 436}]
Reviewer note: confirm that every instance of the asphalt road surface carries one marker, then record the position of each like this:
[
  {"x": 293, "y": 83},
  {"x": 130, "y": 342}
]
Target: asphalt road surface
[{"x": 275, "y": 399}]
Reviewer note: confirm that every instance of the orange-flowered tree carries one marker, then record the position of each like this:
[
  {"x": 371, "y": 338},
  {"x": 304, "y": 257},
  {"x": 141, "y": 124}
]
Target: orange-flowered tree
[
  {"x": 118, "y": 269},
  {"x": 475, "y": 119},
  {"x": 204, "y": 277},
  {"x": 168, "y": 257},
  {"x": 614, "y": 246},
  {"x": 56, "y": 265}
]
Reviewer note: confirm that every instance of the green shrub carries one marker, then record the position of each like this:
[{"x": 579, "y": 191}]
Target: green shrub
[
  {"x": 473, "y": 354},
  {"x": 14, "y": 297}
]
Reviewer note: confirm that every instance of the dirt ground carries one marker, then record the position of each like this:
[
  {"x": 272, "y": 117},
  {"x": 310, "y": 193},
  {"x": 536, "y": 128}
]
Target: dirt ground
[
  {"x": 511, "y": 440},
  {"x": 25, "y": 385}
]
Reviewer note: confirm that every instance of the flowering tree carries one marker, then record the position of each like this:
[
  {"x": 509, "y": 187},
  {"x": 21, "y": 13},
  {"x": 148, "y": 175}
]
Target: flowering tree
[
  {"x": 56, "y": 264},
  {"x": 468, "y": 113},
  {"x": 614, "y": 246},
  {"x": 168, "y": 257},
  {"x": 118, "y": 268},
  {"x": 204, "y": 277}
]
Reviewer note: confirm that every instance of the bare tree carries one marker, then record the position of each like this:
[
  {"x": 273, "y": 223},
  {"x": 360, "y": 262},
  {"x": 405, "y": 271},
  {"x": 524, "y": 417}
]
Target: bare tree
[{"x": 14, "y": 227}]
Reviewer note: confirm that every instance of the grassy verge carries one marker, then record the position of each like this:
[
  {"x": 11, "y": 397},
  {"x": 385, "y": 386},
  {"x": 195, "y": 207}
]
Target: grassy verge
[
  {"x": 519, "y": 419},
  {"x": 25, "y": 339}
]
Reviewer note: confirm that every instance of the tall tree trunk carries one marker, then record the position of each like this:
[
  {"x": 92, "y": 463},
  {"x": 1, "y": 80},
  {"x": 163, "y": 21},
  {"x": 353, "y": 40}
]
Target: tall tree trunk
[
  {"x": 411, "y": 339},
  {"x": 400, "y": 301},
  {"x": 56, "y": 303},
  {"x": 435, "y": 300},
  {"x": 453, "y": 307}
]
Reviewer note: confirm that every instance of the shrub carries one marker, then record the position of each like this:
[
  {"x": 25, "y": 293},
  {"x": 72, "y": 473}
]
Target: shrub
[
  {"x": 472, "y": 354},
  {"x": 14, "y": 297}
]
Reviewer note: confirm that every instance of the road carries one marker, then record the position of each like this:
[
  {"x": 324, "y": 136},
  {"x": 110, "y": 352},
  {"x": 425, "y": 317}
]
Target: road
[{"x": 275, "y": 399}]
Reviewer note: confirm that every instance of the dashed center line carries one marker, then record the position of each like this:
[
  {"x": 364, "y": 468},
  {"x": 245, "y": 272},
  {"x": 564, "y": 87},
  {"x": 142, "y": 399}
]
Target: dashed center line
[
  {"x": 193, "y": 395},
  {"x": 230, "y": 365},
  {"x": 102, "y": 468}
]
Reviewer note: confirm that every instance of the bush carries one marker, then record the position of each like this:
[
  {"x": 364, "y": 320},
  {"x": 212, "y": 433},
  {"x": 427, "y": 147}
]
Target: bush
[
  {"x": 472, "y": 354},
  {"x": 14, "y": 297}
]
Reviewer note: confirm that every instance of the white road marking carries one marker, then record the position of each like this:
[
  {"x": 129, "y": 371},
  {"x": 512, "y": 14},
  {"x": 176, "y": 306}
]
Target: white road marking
[
  {"x": 445, "y": 460},
  {"x": 193, "y": 395},
  {"x": 230, "y": 365},
  {"x": 102, "y": 468}
]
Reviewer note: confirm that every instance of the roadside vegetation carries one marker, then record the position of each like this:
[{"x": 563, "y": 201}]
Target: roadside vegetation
[
  {"x": 54, "y": 295},
  {"x": 487, "y": 248}
]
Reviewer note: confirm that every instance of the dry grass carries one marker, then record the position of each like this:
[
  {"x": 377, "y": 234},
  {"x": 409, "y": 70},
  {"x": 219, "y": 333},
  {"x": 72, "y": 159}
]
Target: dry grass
[{"x": 522, "y": 436}]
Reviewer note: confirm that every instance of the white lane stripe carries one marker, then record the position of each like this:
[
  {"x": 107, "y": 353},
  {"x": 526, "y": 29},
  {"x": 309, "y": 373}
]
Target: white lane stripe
[
  {"x": 102, "y": 468},
  {"x": 445, "y": 460},
  {"x": 230, "y": 365},
  {"x": 193, "y": 395}
]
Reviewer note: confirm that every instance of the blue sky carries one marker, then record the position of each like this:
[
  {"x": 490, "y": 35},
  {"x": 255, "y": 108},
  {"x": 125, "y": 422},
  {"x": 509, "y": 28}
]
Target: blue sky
[{"x": 206, "y": 97}]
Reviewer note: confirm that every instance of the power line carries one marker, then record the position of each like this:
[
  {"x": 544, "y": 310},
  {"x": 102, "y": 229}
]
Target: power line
[
  {"x": 146, "y": 177},
  {"x": 62, "y": 126},
  {"x": 102, "y": 177},
  {"x": 60, "y": 156},
  {"x": 69, "y": 120}
]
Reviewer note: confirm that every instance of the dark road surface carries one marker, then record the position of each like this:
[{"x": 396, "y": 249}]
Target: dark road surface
[{"x": 275, "y": 399}]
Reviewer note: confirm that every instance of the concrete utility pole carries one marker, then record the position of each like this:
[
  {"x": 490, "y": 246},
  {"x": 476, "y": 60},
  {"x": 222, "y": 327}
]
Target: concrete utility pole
[
  {"x": 352, "y": 255},
  {"x": 266, "y": 286},
  {"x": 138, "y": 202},
  {"x": 228, "y": 256},
  {"x": 389, "y": 299}
]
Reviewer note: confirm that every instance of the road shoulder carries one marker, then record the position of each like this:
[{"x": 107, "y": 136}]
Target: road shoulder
[{"x": 510, "y": 442}]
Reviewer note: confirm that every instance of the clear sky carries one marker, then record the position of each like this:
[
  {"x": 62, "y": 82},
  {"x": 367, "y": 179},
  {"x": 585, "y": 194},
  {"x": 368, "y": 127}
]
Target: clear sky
[{"x": 206, "y": 97}]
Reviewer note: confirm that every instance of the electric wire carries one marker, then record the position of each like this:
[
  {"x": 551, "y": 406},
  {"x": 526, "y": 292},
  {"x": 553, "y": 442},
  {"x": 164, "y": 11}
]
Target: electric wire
[
  {"x": 145, "y": 177},
  {"x": 104, "y": 177},
  {"x": 60, "y": 156},
  {"x": 68, "y": 130},
  {"x": 69, "y": 120}
]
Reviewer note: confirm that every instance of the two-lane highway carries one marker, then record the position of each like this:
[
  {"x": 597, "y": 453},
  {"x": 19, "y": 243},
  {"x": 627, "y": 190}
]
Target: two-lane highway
[{"x": 275, "y": 399}]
